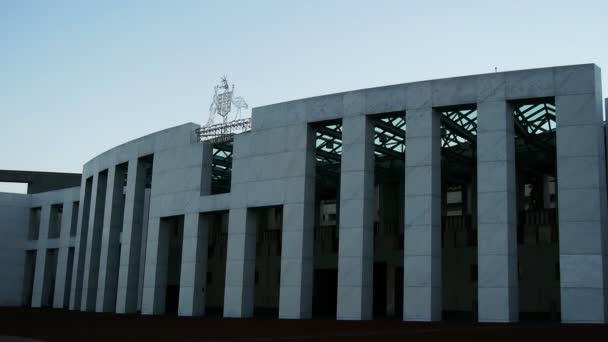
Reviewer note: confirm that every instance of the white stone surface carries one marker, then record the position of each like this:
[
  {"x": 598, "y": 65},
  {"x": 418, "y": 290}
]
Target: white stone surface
[
  {"x": 14, "y": 218},
  {"x": 110, "y": 244},
  {"x": 155, "y": 277},
  {"x": 422, "y": 265},
  {"x": 40, "y": 285},
  {"x": 356, "y": 229},
  {"x": 96, "y": 222},
  {"x": 240, "y": 264},
  {"x": 496, "y": 214},
  {"x": 127, "y": 291},
  {"x": 582, "y": 196},
  {"x": 295, "y": 297},
  {"x": 193, "y": 277},
  {"x": 272, "y": 167},
  {"x": 64, "y": 272},
  {"x": 80, "y": 248}
]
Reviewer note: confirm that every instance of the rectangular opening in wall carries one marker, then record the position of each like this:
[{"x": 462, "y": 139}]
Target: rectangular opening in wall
[
  {"x": 389, "y": 159},
  {"x": 55, "y": 223},
  {"x": 98, "y": 211},
  {"x": 34, "y": 226},
  {"x": 50, "y": 273},
  {"x": 106, "y": 302},
  {"x": 68, "y": 278},
  {"x": 221, "y": 167},
  {"x": 328, "y": 159},
  {"x": 84, "y": 228},
  {"x": 74, "y": 219},
  {"x": 458, "y": 210},
  {"x": 143, "y": 188},
  {"x": 537, "y": 224},
  {"x": 217, "y": 245},
  {"x": 28, "y": 279},
  {"x": 269, "y": 225},
  {"x": 170, "y": 259}
]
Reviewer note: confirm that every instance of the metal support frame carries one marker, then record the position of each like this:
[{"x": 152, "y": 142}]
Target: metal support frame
[
  {"x": 223, "y": 132},
  {"x": 535, "y": 143},
  {"x": 329, "y": 148},
  {"x": 221, "y": 167},
  {"x": 459, "y": 133},
  {"x": 389, "y": 143},
  {"x": 535, "y": 125},
  {"x": 389, "y": 137}
]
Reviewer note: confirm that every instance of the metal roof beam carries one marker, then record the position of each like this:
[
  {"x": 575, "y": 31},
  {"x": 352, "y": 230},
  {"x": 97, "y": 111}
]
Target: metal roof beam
[
  {"x": 388, "y": 152},
  {"x": 390, "y": 128},
  {"x": 458, "y": 130},
  {"x": 331, "y": 156},
  {"x": 329, "y": 132}
]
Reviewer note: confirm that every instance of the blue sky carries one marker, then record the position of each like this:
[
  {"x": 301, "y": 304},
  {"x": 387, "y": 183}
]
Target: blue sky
[{"x": 79, "y": 77}]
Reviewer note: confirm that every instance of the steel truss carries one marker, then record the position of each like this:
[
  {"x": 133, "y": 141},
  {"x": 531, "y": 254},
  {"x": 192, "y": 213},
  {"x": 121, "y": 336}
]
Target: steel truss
[
  {"x": 389, "y": 137},
  {"x": 221, "y": 167},
  {"x": 329, "y": 148},
  {"x": 535, "y": 137},
  {"x": 459, "y": 133},
  {"x": 535, "y": 125},
  {"x": 223, "y": 132},
  {"x": 389, "y": 143},
  {"x": 534, "y": 130}
]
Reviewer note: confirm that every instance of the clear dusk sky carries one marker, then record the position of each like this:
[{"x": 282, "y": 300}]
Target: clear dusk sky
[{"x": 80, "y": 77}]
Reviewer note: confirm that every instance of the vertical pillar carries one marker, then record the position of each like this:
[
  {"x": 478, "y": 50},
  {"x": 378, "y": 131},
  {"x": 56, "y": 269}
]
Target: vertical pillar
[
  {"x": 193, "y": 277},
  {"x": 496, "y": 214},
  {"x": 81, "y": 240},
  {"x": 240, "y": 263},
  {"x": 295, "y": 299},
  {"x": 110, "y": 241},
  {"x": 356, "y": 227},
  {"x": 157, "y": 258},
  {"x": 39, "y": 272},
  {"x": 91, "y": 266},
  {"x": 143, "y": 247},
  {"x": 422, "y": 231},
  {"x": 581, "y": 185},
  {"x": 62, "y": 264},
  {"x": 128, "y": 275}
]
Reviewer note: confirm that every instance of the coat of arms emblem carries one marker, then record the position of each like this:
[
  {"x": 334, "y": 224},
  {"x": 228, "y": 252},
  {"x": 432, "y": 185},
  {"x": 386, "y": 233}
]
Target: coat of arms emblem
[
  {"x": 223, "y": 104},
  {"x": 223, "y": 100}
]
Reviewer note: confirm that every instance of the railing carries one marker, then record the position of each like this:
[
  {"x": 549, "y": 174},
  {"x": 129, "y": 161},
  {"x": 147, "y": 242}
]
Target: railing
[
  {"x": 223, "y": 132},
  {"x": 538, "y": 217}
]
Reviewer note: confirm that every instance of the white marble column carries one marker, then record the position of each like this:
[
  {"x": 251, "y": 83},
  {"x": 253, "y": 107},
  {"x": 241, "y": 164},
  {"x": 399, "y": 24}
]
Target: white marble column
[
  {"x": 157, "y": 264},
  {"x": 110, "y": 241},
  {"x": 193, "y": 277},
  {"x": 240, "y": 263},
  {"x": 62, "y": 264},
  {"x": 422, "y": 231},
  {"x": 295, "y": 300},
  {"x": 81, "y": 240},
  {"x": 91, "y": 265},
  {"x": 128, "y": 274},
  {"x": 497, "y": 214},
  {"x": 356, "y": 227},
  {"x": 39, "y": 272},
  {"x": 581, "y": 184}
]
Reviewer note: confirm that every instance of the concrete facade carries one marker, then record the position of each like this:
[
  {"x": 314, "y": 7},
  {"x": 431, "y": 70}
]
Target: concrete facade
[
  {"x": 14, "y": 211},
  {"x": 118, "y": 235}
]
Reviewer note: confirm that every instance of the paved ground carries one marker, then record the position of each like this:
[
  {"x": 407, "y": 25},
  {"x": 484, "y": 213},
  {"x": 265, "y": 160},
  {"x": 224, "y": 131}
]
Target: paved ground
[{"x": 62, "y": 325}]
